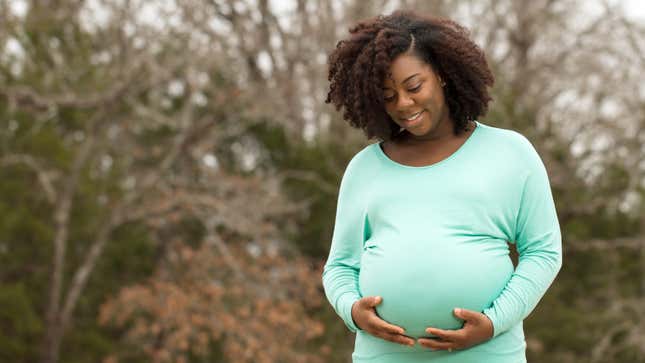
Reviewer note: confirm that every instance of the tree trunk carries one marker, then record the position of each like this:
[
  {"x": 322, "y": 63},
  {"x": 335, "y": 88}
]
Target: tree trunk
[{"x": 51, "y": 346}]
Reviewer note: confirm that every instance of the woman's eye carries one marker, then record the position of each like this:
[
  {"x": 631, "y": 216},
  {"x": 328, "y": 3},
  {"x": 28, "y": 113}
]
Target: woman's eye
[{"x": 412, "y": 90}]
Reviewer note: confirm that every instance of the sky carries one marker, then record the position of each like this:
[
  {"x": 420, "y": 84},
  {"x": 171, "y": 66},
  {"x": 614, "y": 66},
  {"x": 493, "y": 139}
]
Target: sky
[{"x": 635, "y": 9}]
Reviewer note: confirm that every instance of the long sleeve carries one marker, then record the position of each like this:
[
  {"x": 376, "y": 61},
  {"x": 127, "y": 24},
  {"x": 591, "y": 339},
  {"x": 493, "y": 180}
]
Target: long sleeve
[
  {"x": 539, "y": 244},
  {"x": 340, "y": 274}
]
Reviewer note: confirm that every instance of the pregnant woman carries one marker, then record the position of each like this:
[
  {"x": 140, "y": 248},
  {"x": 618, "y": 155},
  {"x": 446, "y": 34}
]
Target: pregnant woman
[{"x": 419, "y": 265}]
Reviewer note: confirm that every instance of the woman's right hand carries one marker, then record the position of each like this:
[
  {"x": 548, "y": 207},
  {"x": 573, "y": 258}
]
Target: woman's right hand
[{"x": 364, "y": 315}]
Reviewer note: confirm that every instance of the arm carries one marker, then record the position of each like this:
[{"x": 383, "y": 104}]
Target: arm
[
  {"x": 340, "y": 274},
  {"x": 539, "y": 244}
]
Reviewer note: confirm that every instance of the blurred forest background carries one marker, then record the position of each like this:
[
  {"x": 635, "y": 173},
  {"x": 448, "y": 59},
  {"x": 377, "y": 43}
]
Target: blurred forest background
[{"x": 169, "y": 173}]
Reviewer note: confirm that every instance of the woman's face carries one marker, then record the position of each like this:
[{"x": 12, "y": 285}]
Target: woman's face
[{"x": 414, "y": 98}]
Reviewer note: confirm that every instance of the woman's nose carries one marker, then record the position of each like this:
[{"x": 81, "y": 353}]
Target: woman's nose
[{"x": 404, "y": 101}]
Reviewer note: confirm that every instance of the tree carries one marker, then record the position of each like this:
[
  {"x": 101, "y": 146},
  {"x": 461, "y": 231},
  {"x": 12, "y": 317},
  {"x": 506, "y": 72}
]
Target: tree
[{"x": 138, "y": 123}]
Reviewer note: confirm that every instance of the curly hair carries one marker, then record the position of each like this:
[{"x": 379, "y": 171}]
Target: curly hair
[{"x": 359, "y": 65}]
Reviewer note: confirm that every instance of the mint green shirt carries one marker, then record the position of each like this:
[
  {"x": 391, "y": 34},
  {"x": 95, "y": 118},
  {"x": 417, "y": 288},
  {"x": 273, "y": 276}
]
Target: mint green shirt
[{"x": 432, "y": 238}]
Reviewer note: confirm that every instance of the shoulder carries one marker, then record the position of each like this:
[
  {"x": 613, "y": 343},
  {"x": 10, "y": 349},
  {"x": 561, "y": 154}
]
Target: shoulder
[
  {"x": 358, "y": 173},
  {"x": 364, "y": 158},
  {"x": 361, "y": 163},
  {"x": 512, "y": 148},
  {"x": 507, "y": 136},
  {"x": 510, "y": 143}
]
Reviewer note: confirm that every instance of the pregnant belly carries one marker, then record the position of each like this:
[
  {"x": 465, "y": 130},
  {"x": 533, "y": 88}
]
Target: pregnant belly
[{"x": 421, "y": 285}]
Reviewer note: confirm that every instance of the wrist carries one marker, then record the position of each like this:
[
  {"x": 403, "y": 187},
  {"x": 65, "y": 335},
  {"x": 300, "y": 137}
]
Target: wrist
[
  {"x": 352, "y": 315},
  {"x": 491, "y": 326}
]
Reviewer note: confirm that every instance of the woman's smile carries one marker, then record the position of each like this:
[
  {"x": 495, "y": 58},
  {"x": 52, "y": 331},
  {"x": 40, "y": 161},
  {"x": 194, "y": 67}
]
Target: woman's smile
[{"x": 414, "y": 120}]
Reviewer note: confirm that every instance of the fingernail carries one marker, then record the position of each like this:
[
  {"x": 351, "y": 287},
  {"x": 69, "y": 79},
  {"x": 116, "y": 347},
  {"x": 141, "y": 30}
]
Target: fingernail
[{"x": 458, "y": 310}]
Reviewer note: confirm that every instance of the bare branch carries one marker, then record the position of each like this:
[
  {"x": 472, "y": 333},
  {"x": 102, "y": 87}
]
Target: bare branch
[
  {"x": 311, "y": 177},
  {"x": 636, "y": 242},
  {"x": 44, "y": 176}
]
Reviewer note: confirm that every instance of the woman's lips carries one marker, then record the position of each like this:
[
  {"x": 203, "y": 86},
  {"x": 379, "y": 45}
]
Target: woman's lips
[{"x": 410, "y": 123}]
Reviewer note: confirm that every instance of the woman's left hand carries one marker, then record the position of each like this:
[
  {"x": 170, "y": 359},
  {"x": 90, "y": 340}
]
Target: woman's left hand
[{"x": 477, "y": 328}]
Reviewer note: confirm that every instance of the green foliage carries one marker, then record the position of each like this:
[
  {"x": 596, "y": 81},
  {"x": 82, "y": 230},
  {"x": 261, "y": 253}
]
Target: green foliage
[
  {"x": 20, "y": 325},
  {"x": 26, "y": 237},
  {"x": 26, "y": 249},
  {"x": 192, "y": 231},
  {"x": 325, "y": 162},
  {"x": 25, "y": 234}
]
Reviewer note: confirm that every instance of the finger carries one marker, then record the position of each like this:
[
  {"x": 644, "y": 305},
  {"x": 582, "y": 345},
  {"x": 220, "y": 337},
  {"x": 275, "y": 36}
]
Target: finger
[
  {"x": 379, "y": 324},
  {"x": 382, "y": 325},
  {"x": 448, "y": 335},
  {"x": 436, "y": 344},
  {"x": 397, "y": 338},
  {"x": 468, "y": 315},
  {"x": 370, "y": 301}
]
